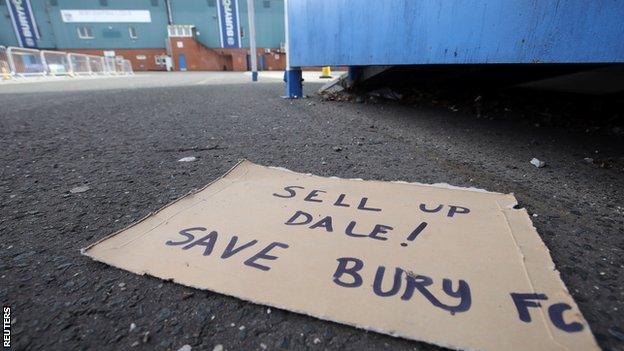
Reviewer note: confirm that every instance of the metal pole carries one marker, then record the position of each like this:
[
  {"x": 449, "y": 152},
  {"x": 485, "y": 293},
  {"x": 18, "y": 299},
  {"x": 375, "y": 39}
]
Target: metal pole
[
  {"x": 292, "y": 76},
  {"x": 252, "y": 40},
  {"x": 46, "y": 69},
  {"x": 169, "y": 13},
  {"x": 71, "y": 65},
  {"x": 9, "y": 53},
  {"x": 286, "y": 35}
]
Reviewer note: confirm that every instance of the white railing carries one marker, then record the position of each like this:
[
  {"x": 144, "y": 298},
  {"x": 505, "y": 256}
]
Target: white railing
[
  {"x": 22, "y": 63},
  {"x": 25, "y": 62},
  {"x": 96, "y": 64},
  {"x": 109, "y": 65},
  {"x": 79, "y": 64},
  {"x": 5, "y": 69},
  {"x": 119, "y": 65},
  {"x": 57, "y": 63},
  {"x": 127, "y": 67}
]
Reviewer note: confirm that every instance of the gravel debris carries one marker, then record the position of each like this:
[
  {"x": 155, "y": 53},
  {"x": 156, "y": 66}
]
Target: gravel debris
[{"x": 537, "y": 163}]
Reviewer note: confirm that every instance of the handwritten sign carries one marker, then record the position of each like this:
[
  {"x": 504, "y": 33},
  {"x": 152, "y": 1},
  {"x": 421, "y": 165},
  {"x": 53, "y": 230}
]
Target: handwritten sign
[{"x": 455, "y": 267}]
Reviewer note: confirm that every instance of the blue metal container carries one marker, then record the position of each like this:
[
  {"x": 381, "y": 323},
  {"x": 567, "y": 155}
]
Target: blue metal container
[
  {"x": 422, "y": 32},
  {"x": 398, "y": 32}
]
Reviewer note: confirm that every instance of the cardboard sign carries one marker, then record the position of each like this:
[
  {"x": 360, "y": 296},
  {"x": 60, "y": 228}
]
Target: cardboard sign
[{"x": 456, "y": 267}]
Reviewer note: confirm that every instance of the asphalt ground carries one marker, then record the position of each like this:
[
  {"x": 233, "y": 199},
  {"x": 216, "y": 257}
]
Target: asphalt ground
[{"x": 122, "y": 137}]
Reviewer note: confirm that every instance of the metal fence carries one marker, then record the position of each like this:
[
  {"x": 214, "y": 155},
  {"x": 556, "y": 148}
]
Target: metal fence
[
  {"x": 109, "y": 65},
  {"x": 5, "y": 69},
  {"x": 21, "y": 62},
  {"x": 79, "y": 64},
  {"x": 25, "y": 62},
  {"x": 96, "y": 64},
  {"x": 119, "y": 65},
  {"x": 57, "y": 63},
  {"x": 126, "y": 67}
]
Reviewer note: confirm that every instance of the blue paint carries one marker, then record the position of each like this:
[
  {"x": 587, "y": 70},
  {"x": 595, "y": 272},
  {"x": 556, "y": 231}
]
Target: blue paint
[
  {"x": 294, "y": 88},
  {"x": 254, "y": 76},
  {"x": 395, "y": 32},
  {"x": 261, "y": 63},
  {"x": 229, "y": 23},
  {"x": 23, "y": 22},
  {"x": 182, "y": 62}
]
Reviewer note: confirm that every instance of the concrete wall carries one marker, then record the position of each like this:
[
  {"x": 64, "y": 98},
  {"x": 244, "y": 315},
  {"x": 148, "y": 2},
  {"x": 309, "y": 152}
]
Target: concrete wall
[{"x": 396, "y": 32}]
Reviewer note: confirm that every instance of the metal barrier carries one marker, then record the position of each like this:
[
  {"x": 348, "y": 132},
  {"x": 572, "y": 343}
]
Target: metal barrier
[
  {"x": 119, "y": 65},
  {"x": 25, "y": 62},
  {"x": 56, "y": 62},
  {"x": 79, "y": 64},
  {"x": 109, "y": 65},
  {"x": 22, "y": 62},
  {"x": 96, "y": 64},
  {"x": 5, "y": 70},
  {"x": 127, "y": 67}
]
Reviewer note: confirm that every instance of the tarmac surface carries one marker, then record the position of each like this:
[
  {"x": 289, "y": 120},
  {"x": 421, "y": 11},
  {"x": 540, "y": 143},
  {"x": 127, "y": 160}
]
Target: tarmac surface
[{"x": 122, "y": 138}]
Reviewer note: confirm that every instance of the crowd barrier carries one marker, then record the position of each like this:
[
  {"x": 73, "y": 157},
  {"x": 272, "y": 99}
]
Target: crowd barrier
[
  {"x": 57, "y": 62},
  {"x": 26, "y": 62},
  {"x": 5, "y": 70},
  {"x": 109, "y": 64},
  {"x": 21, "y": 62},
  {"x": 96, "y": 64},
  {"x": 79, "y": 64}
]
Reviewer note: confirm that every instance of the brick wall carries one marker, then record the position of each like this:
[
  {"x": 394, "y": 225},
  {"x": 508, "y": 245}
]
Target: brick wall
[
  {"x": 273, "y": 61},
  {"x": 201, "y": 58}
]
